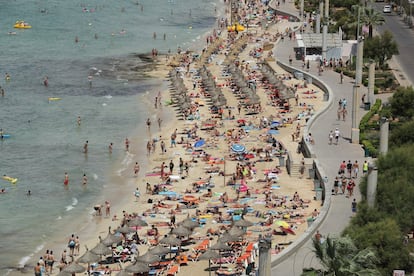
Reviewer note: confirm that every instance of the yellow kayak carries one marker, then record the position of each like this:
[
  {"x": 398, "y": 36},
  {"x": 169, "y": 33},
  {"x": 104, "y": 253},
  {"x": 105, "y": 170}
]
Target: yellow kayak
[
  {"x": 10, "y": 179},
  {"x": 54, "y": 99},
  {"x": 22, "y": 25}
]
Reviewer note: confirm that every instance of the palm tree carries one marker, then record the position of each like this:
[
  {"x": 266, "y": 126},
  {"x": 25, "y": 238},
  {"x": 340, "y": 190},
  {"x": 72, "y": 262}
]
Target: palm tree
[
  {"x": 340, "y": 257},
  {"x": 371, "y": 18}
]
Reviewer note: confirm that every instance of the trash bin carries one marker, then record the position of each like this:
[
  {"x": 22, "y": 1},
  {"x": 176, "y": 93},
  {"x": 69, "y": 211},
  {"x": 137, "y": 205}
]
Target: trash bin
[
  {"x": 309, "y": 221},
  {"x": 311, "y": 173},
  {"x": 318, "y": 193},
  {"x": 367, "y": 106},
  {"x": 325, "y": 96},
  {"x": 281, "y": 161},
  {"x": 309, "y": 80},
  {"x": 366, "y": 152},
  {"x": 316, "y": 184}
]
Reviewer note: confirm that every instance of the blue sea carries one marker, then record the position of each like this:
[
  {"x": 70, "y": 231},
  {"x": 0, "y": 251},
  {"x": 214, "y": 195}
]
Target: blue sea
[{"x": 68, "y": 42}]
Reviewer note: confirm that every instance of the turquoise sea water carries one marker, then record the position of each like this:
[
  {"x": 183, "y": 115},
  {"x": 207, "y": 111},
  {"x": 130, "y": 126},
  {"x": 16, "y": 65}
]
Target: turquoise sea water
[{"x": 45, "y": 139}]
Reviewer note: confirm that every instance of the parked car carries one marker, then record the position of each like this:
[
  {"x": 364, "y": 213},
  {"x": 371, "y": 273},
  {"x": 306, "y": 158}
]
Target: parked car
[{"x": 387, "y": 9}]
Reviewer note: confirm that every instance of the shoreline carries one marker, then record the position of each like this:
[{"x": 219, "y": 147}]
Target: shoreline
[
  {"x": 101, "y": 227},
  {"x": 88, "y": 228}
]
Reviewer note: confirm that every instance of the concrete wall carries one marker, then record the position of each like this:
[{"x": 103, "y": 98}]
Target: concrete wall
[{"x": 320, "y": 174}]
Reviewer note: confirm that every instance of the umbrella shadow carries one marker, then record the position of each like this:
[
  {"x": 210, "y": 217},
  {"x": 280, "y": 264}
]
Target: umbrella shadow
[{"x": 214, "y": 268}]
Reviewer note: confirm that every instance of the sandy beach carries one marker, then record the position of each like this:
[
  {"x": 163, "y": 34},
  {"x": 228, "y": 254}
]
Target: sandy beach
[{"x": 225, "y": 125}]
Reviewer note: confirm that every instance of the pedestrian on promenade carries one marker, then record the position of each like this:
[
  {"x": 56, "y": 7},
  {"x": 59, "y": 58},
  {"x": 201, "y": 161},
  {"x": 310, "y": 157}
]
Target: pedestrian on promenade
[
  {"x": 365, "y": 167},
  {"x": 342, "y": 167},
  {"x": 341, "y": 76},
  {"x": 355, "y": 168},
  {"x": 337, "y": 134},
  {"x": 336, "y": 185},
  {"x": 344, "y": 113},
  {"x": 354, "y": 206},
  {"x": 330, "y": 137},
  {"x": 349, "y": 168}
]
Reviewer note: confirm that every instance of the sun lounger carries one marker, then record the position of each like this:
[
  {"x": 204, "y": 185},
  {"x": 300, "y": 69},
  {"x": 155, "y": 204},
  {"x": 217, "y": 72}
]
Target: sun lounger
[{"x": 173, "y": 270}]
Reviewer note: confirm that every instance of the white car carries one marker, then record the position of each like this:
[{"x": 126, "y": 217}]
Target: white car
[{"x": 386, "y": 9}]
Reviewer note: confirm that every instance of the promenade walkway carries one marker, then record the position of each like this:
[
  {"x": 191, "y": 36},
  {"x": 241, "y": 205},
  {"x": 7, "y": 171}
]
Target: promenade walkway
[{"x": 328, "y": 156}]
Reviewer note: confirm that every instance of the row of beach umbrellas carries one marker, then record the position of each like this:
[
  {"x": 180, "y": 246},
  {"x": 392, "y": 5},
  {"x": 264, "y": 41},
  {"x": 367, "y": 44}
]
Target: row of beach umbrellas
[
  {"x": 285, "y": 92},
  {"x": 141, "y": 264}
]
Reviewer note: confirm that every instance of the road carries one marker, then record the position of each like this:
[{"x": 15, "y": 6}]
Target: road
[{"x": 404, "y": 36}]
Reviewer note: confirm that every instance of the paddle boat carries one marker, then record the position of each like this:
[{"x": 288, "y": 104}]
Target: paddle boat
[
  {"x": 235, "y": 27},
  {"x": 20, "y": 24}
]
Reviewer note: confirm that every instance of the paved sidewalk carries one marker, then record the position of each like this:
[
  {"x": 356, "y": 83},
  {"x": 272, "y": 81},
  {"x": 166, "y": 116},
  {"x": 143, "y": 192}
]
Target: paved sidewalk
[{"x": 329, "y": 156}]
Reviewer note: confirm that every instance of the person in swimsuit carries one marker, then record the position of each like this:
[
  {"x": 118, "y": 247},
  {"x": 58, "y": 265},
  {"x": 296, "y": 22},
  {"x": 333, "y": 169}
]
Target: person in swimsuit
[
  {"x": 136, "y": 169},
  {"x": 71, "y": 245},
  {"x": 66, "y": 179},
  {"x": 85, "y": 147},
  {"x": 37, "y": 270},
  {"x": 84, "y": 179},
  {"x": 126, "y": 144},
  {"x": 110, "y": 147}
]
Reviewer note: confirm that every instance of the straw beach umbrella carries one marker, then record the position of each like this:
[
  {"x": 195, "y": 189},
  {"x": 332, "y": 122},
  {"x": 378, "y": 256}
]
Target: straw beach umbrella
[
  {"x": 88, "y": 257},
  {"x": 171, "y": 240},
  {"x": 236, "y": 231},
  {"x": 148, "y": 258},
  {"x": 189, "y": 223},
  {"x": 159, "y": 250},
  {"x": 226, "y": 237},
  {"x": 137, "y": 222},
  {"x": 220, "y": 246},
  {"x": 111, "y": 238},
  {"x": 243, "y": 223},
  {"x": 124, "y": 230},
  {"x": 209, "y": 255},
  {"x": 74, "y": 268},
  {"x": 181, "y": 231},
  {"x": 137, "y": 267},
  {"x": 101, "y": 249}
]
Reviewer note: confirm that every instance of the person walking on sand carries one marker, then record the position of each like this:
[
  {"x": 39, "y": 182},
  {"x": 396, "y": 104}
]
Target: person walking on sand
[
  {"x": 171, "y": 165},
  {"x": 107, "y": 209},
  {"x": 149, "y": 148},
  {"x": 148, "y": 123},
  {"x": 163, "y": 150},
  {"x": 71, "y": 245},
  {"x": 66, "y": 179},
  {"x": 159, "y": 122},
  {"x": 49, "y": 262},
  {"x": 126, "y": 144},
  {"x": 136, "y": 169},
  {"x": 77, "y": 246},
  {"x": 162, "y": 169}
]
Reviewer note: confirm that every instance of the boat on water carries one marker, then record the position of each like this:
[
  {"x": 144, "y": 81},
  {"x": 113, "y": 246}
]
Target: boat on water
[{"x": 20, "y": 24}]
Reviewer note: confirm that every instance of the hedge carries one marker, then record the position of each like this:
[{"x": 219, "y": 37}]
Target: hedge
[{"x": 364, "y": 125}]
